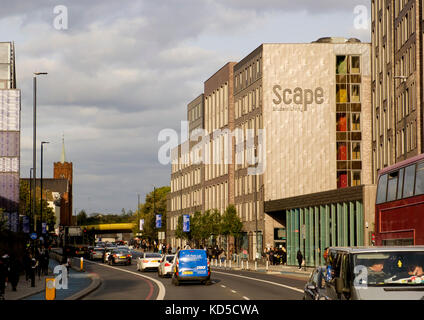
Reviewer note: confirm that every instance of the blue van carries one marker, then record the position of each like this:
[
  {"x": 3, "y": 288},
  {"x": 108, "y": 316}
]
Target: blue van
[{"x": 191, "y": 265}]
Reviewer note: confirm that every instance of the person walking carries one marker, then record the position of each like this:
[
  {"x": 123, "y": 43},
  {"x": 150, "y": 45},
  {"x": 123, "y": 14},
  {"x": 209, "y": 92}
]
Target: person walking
[
  {"x": 34, "y": 266},
  {"x": 299, "y": 258},
  {"x": 3, "y": 276},
  {"x": 15, "y": 269}
]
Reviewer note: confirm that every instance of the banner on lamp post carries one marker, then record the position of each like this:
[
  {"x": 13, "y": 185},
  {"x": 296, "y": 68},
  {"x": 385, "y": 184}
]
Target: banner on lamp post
[
  {"x": 158, "y": 221},
  {"x": 141, "y": 225},
  {"x": 186, "y": 223}
]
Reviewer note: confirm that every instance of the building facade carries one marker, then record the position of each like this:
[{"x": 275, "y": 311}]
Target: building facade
[
  {"x": 10, "y": 117},
  {"x": 397, "y": 81}
]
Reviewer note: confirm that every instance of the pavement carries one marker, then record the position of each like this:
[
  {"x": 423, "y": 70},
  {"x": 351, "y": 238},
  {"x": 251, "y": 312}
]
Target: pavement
[{"x": 80, "y": 284}]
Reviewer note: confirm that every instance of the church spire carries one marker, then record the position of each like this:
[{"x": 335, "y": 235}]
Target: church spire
[{"x": 62, "y": 158}]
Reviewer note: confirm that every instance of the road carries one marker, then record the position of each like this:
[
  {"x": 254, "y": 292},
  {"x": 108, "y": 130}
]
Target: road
[{"x": 126, "y": 283}]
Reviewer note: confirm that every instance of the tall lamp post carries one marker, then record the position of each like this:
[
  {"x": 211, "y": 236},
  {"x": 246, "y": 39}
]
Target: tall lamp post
[
  {"x": 41, "y": 184},
  {"x": 34, "y": 147}
]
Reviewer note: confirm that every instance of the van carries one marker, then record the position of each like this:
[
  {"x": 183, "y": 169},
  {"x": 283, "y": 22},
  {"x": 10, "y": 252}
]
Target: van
[
  {"x": 191, "y": 265},
  {"x": 375, "y": 273}
]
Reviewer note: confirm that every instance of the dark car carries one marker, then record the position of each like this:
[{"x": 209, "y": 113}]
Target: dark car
[
  {"x": 315, "y": 288},
  {"x": 118, "y": 256}
]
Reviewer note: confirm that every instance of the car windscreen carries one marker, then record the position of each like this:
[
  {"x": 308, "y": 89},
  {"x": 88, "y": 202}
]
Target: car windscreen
[
  {"x": 99, "y": 249},
  {"x": 390, "y": 268},
  {"x": 192, "y": 256},
  {"x": 153, "y": 255},
  {"x": 170, "y": 258}
]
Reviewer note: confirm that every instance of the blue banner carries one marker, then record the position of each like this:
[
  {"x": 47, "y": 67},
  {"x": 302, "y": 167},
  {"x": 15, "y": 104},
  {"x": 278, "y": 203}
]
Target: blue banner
[
  {"x": 186, "y": 223},
  {"x": 25, "y": 224},
  {"x": 43, "y": 228},
  {"x": 158, "y": 221}
]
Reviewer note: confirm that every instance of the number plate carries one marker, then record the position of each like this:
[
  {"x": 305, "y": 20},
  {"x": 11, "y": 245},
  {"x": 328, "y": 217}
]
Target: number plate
[{"x": 188, "y": 272}]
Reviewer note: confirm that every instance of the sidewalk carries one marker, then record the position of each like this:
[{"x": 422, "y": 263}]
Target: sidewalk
[{"x": 79, "y": 285}]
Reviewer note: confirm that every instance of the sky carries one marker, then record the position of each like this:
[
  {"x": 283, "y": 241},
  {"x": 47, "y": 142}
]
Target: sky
[{"x": 119, "y": 72}]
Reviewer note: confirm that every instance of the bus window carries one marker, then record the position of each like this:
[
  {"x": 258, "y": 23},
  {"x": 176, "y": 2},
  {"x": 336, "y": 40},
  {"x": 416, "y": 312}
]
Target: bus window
[
  {"x": 419, "y": 184},
  {"x": 408, "y": 185},
  {"x": 400, "y": 184},
  {"x": 381, "y": 189},
  {"x": 391, "y": 189}
]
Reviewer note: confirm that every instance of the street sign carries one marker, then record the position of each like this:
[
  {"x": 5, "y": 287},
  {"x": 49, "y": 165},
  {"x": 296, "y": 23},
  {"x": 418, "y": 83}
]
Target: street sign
[
  {"x": 43, "y": 228},
  {"x": 33, "y": 236},
  {"x": 186, "y": 223},
  {"x": 158, "y": 221},
  {"x": 141, "y": 226}
]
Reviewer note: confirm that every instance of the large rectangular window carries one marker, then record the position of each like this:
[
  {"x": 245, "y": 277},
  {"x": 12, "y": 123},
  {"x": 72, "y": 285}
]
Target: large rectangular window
[
  {"x": 408, "y": 184},
  {"x": 382, "y": 189},
  {"x": 356, "y": 151},
  {"x": 355, "y": 93},
  {"x": 355, "y": 65},
  {"x": 392, "y": 186},
  {"x": 342, "y": 64},
  {"x": 400, "y": 183},
  {"x": 419, "y": 182},
  {"x": 356, "y": 122},
  {"x": 341, "y": 122}
]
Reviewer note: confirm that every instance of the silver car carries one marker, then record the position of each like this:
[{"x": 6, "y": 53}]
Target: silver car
[
  {"x": 165, "y": 266},
  {"x": 148, "y": 260},
  {"x": 97, "y": 253}
]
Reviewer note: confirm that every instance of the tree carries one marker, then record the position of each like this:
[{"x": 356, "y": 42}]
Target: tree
[
  {"x": 3, "y": 221},
  {"x": 82, "y": 218},
  {"x": 231, "y": 225}
]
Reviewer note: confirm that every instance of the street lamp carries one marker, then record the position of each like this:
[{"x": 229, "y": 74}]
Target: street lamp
[
  {"x": 41, "y": 184},
  {"x": 34, "y": 147}
]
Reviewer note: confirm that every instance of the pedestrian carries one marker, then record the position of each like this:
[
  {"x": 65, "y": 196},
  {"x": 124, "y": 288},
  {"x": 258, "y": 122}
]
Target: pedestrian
[
  {"x": 45, "y": 263},
  {"x": 27, "y": 265},
  {"x": 34, "y": 266},
  {"x": 299, "y": 258},
  {"x": 15, "y": 269},
  {"x": 3, "y": 276}
]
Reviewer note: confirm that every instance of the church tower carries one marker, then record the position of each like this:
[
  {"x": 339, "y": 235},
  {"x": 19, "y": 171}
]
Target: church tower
[{"x": 63, "y": 170}]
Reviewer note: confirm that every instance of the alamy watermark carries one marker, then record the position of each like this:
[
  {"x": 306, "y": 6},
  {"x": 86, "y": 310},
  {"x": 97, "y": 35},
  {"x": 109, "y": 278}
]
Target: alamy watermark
[{"x": 60, "y": 21}]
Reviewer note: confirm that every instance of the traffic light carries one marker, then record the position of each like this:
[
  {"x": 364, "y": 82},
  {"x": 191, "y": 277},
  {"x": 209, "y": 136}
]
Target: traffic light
[{"x": 373, "y": 238}]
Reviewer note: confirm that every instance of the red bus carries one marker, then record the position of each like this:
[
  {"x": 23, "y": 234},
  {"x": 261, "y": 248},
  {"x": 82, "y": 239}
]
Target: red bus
[{"x": 399, "y": 211}]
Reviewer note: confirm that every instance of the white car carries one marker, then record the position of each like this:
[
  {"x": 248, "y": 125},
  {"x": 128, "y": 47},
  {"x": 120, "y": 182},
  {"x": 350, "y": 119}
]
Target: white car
[
  {"x": 165, "y": 267},
  {"x": 148, "y": 260}
]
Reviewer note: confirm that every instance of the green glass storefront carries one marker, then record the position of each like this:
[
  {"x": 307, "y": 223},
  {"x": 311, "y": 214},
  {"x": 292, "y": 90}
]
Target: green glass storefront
[{"x": 314, "y": 228}]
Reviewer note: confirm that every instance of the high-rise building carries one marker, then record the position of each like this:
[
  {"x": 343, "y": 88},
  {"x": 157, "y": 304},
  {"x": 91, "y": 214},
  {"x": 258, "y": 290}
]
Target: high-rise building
[
  {"x": 10, "y": 108},
  {"x": 397, "y": 81}
]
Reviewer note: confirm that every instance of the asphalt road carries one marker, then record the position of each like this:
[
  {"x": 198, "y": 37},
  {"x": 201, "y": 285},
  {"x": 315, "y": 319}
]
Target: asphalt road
[{"x": 126, "y": 283}]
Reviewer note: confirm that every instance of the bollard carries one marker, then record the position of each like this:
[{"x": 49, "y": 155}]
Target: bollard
[
  {"x": 256, "y": 265},
  {"x": 247, "y": 265},
  {"x": 241, "y": 264},
  {"x": 82, "y": 263},
  {"x": 266, "y": 265},
  {"x": 230, "y": 263},
  {"x": 225, "y": 264},
  {"x": 220, "y": 263},
  {"x": 50, "y": 293}
]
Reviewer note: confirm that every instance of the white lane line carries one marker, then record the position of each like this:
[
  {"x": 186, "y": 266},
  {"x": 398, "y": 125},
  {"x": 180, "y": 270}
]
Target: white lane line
[
  {"x": 233, "y": 291},
  {"x": 260, "y": 280},
  {"x": 223, "y": 286},
  {"x": 245, "y": 298},
  {"x": 162, "y": 291}
]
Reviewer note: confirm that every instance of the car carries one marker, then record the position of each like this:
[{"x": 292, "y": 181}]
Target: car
[
  {"x": 315, "y": 287},
  {"x": 118, "y": 256},
  {"x": 375, "y": 273},
  {"x": 165, "y": 267},
  {"x": 97, "y": 253},
  {"x": 148, "y": 260},
  {"x": 191, "y": 265}
]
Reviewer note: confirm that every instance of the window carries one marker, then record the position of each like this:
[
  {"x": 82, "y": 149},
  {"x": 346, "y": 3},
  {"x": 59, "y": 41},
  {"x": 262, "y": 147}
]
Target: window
[
  {"x": 400, "y": 184},
  {"x": 341, "y": 151},
  {"x": 356, "y": 151},
  {"x": 408, "y": 185},
  {"x": 355, "y": 65},
  {"x": 356, "y": 122},
  {"x": 356, "y": 93},
  {"x": 356, "y": 178},
  {"x": 381, "y": 189},
  {"x": 341, "y": 122},
  {"x": 342, "y": 179},
  {"x": 342, "y": 93},
  {"x": 392, "y": 185},
  {"x": 419, "y": 184},
  {"x": 342, "y": 64}
]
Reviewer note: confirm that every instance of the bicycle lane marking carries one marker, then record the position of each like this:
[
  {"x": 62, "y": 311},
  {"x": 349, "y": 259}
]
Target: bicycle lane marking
[{"x": 162, "y": 291}]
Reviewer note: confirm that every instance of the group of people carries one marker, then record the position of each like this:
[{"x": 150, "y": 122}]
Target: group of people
[
  {"x": 276, "y": 256},
  {"x": 34, "y": 262}
]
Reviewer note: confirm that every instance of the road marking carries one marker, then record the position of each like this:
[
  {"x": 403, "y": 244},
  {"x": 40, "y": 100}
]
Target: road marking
[
  {"x": 162, "y": 291},
  {"x": 233, "y": 291},
  {"x": 245, "y": 298},
  {"x": 223, "y": 286},
  {"x": 260, "y": 280}
]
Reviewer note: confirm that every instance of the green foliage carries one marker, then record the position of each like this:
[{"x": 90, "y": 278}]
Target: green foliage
[
  {"x": 210, "y": 223},
  {"x": 3, "y": 221},
  {"x": 25, "y": 198}
]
